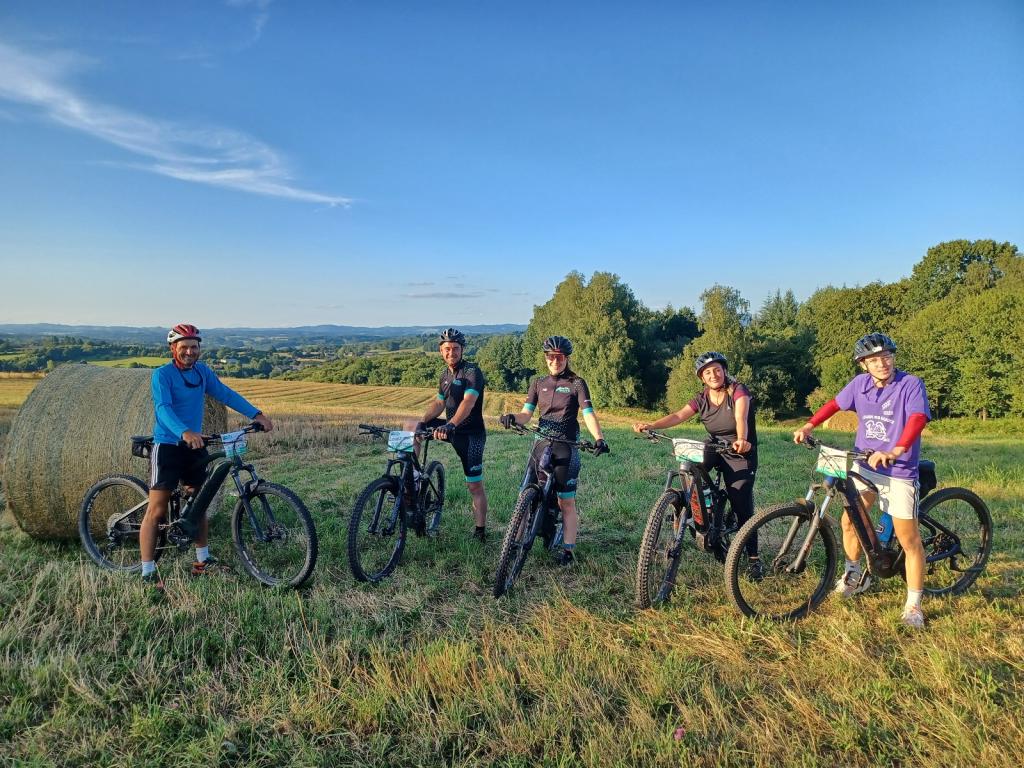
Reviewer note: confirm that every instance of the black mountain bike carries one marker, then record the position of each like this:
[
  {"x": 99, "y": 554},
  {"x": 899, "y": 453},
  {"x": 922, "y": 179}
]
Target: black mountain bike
[
  {"x": 799, "y": 549},
  {"x": 536, "y": 510},
  {"x": 692, "y": 507},
  {"x": 272, "y": 530},
  {"x": 405, "y": 496}
]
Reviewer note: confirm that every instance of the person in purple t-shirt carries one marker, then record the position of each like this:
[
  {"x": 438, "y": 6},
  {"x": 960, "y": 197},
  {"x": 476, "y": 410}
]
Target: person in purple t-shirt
[
  {"x": 725, "y": 410},
  {"x": 892, "y": 410}
]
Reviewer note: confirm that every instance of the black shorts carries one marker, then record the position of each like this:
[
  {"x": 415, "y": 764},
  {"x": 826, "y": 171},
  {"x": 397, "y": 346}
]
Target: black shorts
[
  {"x": 566, "y": 462},
  {"x": 469, "y": 446},
  {"x": 171, "y": 464}
]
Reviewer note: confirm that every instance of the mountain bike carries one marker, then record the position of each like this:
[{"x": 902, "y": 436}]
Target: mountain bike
[
  {"x": 405, "y": 496},
  {"x": 536, "y": 510},
  {"x": 799, "y": 550},
  {"x": 692, "y": 507},
  {"x": 271, "y": 528}
]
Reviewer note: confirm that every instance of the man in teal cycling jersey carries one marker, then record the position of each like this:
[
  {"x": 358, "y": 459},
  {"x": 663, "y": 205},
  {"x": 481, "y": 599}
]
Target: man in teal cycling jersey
[
  {"x": 460, "y": 396},
  {"x": 178, "y": 450}
]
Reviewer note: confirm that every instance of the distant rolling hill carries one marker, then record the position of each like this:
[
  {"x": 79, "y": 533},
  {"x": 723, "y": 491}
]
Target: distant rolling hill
[{"x": 305, "y": 334}]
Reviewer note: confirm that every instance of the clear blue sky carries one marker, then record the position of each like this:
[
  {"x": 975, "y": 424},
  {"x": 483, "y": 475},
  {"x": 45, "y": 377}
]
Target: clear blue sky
[{"x": 249, "y": 162}]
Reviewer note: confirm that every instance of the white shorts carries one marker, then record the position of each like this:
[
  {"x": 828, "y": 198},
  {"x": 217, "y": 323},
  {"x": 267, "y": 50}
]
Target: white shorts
[{"x": 896, "y": 495}]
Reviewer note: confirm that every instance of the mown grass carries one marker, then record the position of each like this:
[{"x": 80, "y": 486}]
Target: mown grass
[{"x": 427, "y": 669}]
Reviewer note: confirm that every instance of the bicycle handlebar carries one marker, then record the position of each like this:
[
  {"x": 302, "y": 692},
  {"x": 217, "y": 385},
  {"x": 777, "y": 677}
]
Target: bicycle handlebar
[
  {"x": 214, "y": 439},
  {"x": 712, "y": 443},
  {"x": 812, "y": 442},
  {"x": 583, "y": 445},
  {"x": 377, "y": 431}
]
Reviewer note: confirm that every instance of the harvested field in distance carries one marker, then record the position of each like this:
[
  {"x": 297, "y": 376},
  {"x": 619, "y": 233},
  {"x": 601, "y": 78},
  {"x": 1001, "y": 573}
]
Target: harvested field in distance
[
  {"x": 126, "y": 362},
  {"x": 14, "y": 388}
]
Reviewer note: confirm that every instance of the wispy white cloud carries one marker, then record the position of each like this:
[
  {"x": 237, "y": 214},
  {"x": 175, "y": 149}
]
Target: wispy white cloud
[
  {"x": 213, "y": 156},
  {"x": 444, "y": 295},
  {"x": 259, "y": 18}
]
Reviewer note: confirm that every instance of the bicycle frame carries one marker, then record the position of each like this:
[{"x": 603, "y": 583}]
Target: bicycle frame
[
  {"x": 411, "y": 464},
  {"x": 883, "y": 561},
  {"x": 711, "y": 529},
  {"x": 532, "y": 477},
  {"x": 185, "y": 518}
]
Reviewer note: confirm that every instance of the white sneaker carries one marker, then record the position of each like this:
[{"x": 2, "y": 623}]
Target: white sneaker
[
  {"x": 914, "y": 618},
  {"x": 852, "y": 583}
]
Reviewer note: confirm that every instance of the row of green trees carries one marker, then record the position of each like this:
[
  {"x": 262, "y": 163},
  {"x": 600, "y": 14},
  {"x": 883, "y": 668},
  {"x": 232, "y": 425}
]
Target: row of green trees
[{"x": 957, "y": 319}]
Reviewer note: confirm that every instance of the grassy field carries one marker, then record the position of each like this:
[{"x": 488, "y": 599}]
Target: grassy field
[
  {"x": 427, "y": 669},
  {"x": 148, "y": 361}
]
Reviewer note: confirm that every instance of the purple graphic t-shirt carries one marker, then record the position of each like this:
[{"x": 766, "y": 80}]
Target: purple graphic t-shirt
[{"x": 883, "y": 413}]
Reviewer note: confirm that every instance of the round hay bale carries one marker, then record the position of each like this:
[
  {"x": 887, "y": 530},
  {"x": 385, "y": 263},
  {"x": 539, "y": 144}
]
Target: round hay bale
[
  {"x": 76, "y": 426},
  {"x": 844, "y": 421}
]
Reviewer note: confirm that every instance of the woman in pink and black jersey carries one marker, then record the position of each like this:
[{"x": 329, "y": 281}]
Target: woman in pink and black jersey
[{"x": 726, "y": 410}]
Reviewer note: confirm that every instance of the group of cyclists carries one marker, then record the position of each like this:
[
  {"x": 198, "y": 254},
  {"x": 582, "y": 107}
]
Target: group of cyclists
[{"x": 891, "y": 405}]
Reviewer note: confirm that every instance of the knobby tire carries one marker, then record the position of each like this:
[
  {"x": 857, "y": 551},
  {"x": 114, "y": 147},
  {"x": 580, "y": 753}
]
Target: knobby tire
[
  {"x": 517, "y": 542},
  {"x": 110, "y": 497},
  {"x": 278, "y": 544},
  {"x": 780, "y": 595},
  {"x": 376, "y": 532}
]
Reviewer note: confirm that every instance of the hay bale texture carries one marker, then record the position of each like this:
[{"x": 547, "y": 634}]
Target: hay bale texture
[
  {"x": 844, "y": 421},
  {"x": 76, "y": 426}
]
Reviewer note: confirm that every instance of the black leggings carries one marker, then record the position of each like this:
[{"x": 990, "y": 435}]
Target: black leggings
[{"x": 738, "y": 474}]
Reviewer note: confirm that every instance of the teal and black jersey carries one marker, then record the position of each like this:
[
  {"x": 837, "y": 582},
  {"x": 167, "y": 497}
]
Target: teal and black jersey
[
  {"x": 559, "y": 400},
  {"x": 466, "y": 379}
]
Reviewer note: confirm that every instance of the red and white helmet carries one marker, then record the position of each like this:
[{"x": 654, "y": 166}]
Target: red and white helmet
[{"x": 183, "y": 331}]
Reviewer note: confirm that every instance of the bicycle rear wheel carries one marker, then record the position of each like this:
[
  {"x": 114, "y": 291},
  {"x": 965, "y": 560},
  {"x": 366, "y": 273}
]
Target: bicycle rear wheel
[
  {"x": 432, "y": 496},
  {"x": 376, "y": 531},
  {"x": 109, "y": 522},
  {"x": 660, "y": 551},
  {"x": 518, "y": 539},
  {"x": 956, "y": 530},
  {"x": 775, "y": 591},
  {"x": 275, "y": 536}
]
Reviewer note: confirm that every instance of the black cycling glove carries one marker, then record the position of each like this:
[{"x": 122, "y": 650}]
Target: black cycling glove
[
  {"x": 601, "y": 447},
  {"x": 507, "y": 420}
]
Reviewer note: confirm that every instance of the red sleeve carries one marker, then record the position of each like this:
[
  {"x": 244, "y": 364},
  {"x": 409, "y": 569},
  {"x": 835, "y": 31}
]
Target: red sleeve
[
  {"x": 829, "y": 409},
  {"x": 912, "y": 431}
]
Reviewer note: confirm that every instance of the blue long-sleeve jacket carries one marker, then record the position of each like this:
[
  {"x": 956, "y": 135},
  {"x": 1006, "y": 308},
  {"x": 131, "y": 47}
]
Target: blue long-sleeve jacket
[{"x": 179, "y": 408}]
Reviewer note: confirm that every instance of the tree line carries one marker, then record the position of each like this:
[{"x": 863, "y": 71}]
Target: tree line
[{"x": 958, "y": 320}]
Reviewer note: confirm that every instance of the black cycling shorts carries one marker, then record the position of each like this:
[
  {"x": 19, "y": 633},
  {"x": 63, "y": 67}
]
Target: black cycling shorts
[
  {"x": 171, "y": 464},
  {"x": 469, "y": 446},
  {"x": 566, "y": 462}
]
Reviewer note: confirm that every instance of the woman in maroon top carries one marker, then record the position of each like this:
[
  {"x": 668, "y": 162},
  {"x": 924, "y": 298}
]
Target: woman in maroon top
[{"x": 725, "y": 409}]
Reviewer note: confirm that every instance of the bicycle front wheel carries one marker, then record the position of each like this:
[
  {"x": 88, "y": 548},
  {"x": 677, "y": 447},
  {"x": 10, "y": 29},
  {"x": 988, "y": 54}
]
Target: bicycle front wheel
[
  {"x": 956, "y": 530},
  {"x": 376, "y": 531},
  {"x": 781, "y": 588},
  {"x": 109, "y": 522},
  {"x": 518, "y": 540},
  {"x": 274, "y": 536},
  {"x": 660, "y": 551},
  {"x": 432, "y": 496}
]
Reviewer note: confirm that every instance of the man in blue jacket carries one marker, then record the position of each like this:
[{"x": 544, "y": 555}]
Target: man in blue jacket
[{"x": 178, "y": 448}]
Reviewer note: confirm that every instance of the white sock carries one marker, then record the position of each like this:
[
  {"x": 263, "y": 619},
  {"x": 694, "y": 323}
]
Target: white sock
[
  {"x": 202, "y": 553},
  {"x": 913, "y": 599},
  {"x": 148, "y": 567},
  {"x": 852, "y": 566}
]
